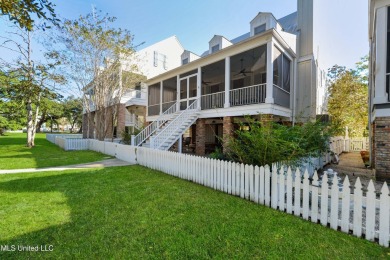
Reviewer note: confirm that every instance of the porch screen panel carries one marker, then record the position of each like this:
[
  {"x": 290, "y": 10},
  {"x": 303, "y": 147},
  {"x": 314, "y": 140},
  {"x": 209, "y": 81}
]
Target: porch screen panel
[
  {"x": 192, "y": 87},
  {"x": 154, "y": 100},
  {"x": 278, "y": 67},
  {"x": 286, "y": 73},
  {"x": 183, "y": 89},
  {"x": 169, "y": 93}
]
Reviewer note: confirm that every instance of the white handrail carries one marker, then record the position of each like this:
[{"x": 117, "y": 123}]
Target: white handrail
[
  {"x": 152, "y": 127},
  {"x": 169, "y": 130}
]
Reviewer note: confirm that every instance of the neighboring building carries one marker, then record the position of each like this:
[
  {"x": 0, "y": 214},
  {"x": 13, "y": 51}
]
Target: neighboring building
[
  {"x": 270, "y": 73},
  {"x": 379, "y": 86},
  {"x": 150, "y": 61}
]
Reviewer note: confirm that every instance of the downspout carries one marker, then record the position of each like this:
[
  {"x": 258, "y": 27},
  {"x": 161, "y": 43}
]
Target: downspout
[{"x": 296, "y": 75}]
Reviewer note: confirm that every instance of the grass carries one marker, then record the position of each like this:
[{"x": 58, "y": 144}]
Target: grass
[
  {"x": 133, "y": 212},
  {"x": 15, "y": 155}
]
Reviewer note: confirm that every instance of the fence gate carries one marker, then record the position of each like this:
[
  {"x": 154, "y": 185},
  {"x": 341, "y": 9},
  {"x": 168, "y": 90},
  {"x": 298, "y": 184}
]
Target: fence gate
[{"x": 358, "y": 144}]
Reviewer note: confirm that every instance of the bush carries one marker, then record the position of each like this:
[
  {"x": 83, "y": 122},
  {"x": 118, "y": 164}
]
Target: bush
[{"x": 269, "y": 142}]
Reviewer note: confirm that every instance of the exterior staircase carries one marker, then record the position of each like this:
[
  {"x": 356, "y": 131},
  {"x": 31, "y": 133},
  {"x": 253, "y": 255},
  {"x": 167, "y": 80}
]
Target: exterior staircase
[{"x": 168, "y": 128}]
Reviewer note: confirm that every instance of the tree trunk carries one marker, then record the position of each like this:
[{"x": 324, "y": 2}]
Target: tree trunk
[{"x": 30, "y": 142}]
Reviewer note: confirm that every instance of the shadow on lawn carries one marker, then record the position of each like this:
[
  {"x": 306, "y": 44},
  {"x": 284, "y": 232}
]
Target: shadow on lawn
[
  {"x": 14, "y": 154},
  {"x": 92, "y": 220},
  {"x": 134, "y": 212}
]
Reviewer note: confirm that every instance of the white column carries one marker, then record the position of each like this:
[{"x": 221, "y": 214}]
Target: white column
[
  {"x": 227, "y": 82},
  {"x": 199, "y": 87},
  {"x": 270, "y": 74},
  {"x": 178, "y": 93},
  {"x": 161, "y": 97},
  {"x": 180, "y": 148}
]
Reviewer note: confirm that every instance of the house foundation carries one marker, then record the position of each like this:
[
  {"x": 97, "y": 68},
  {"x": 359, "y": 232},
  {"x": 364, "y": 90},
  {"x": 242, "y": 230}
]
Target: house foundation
[
  {"x": 381, "y": 148},
  {"x": 200, "y": 143},
  {"x": 227, "y": 131}
]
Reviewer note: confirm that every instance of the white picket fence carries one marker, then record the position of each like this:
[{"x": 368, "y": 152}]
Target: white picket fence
[
  {"x": 72, "y": 143},
  {"x": 52, "y": 137},
  {"x": 289, "y": 191},
  {"x": 341, "y": 144}
]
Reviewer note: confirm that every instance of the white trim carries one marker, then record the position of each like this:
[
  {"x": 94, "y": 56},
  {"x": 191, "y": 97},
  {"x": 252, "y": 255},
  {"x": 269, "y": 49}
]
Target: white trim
[
  {"x": 227, "y": 82},
  {"x": 254, "y": 109}
]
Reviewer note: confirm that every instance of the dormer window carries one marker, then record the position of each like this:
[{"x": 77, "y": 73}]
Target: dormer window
[
  {"x": 215, "y": 48},
  {"x": 184, "y": 61},
  {"x": 259, "y": 29}
]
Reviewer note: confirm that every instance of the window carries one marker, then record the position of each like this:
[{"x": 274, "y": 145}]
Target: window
[
  {"x": 164, "y": 61},
  {"x": 155, "y": 58},
  {"x": 185, "y": 61},
  {"x": 160, "y": 58},
  {"x": 215, "y": 48},
  {"x": 259, "y": 29}
]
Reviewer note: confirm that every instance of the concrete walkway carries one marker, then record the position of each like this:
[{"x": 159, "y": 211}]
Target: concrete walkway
[
  {"x": 351, "y": 165},
  {"x": 98, "y": 164}
]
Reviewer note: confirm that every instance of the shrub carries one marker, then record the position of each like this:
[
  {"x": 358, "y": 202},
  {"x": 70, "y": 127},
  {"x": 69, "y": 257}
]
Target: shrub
[{"x": 269, "y": 142}]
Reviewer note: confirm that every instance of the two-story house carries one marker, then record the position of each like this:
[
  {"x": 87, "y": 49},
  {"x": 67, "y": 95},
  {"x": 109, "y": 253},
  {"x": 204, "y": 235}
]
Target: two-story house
[
  {"x": 131, "y": 111},
  {"x": 379, "y": 86},
  {"x": 270, "y": 72}
]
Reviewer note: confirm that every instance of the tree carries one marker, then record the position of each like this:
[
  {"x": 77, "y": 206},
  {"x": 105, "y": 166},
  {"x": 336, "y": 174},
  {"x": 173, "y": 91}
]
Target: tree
[
  {"x": 31, "y": 80},
  {"x": 21, "y": 11},
  {"x": 93, "y": 52},
  {"x": 348, "y": 97},
  {"x": 12, "y": 112},
  {"x": 73, "y": 110}
]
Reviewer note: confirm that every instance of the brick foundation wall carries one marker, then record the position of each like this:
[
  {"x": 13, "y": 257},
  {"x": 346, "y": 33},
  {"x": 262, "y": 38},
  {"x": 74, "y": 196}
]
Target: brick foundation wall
[
  {"x": 200, "y": 144},
  {"x": 227, "y": 130},
  {"x": 121, "y": 120},
  {"x": 381, "y": 134}
]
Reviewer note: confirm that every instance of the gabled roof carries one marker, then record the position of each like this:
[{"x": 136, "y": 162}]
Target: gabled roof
[{"x": 289, "y": 23}]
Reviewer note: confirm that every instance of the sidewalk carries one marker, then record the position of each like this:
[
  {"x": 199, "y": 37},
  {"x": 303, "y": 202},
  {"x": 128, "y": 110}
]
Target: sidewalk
[{"x": 98, "y": 164}]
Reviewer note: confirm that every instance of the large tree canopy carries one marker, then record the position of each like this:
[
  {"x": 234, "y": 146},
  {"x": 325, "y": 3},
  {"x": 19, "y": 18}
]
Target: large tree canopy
[
  {"x": 22, "y": 12},
  {"x": 348, "y": 97}
]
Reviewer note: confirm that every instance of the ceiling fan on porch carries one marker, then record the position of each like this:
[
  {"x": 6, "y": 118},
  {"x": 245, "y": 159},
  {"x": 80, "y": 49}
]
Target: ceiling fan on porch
[
  {"x": 206, "y": 82},
  {"x": 243, "y": 70}
]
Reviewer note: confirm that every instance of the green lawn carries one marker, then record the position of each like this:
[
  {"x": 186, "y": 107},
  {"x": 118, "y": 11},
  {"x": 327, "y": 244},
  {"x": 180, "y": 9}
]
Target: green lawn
[
  {"x": 15, "y": 155},
  {"x": 133, "y": 212}
]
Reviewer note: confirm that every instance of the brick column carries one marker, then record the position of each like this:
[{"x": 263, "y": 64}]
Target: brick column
[
  {"x": 108, "y": 122},
  {"x": 121, "y": 120},
  {"x": 227, "y": 131},
  {"x": 382, "y": 147},
  {"x": 200, "y": 144}
]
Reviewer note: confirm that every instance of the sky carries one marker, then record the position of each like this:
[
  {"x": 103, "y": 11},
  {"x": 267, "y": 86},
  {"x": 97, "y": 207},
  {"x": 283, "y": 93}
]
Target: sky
[{"x": 344, "y": 22}]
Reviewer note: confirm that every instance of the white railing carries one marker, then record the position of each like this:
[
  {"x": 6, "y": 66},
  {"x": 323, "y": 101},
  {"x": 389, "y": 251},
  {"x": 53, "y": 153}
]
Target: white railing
[
  {"x": 318, "y": 200},
  {"x": 214, "y": 100},
  {"x": 152, "y": 127},
  {"x": 133, "y": 94},
  {"x": 281, "y": 96},
  {"x": 248, "y": 95},
  {"x": 131, "y": 120},
  {"x": 172, "y": 131}
]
